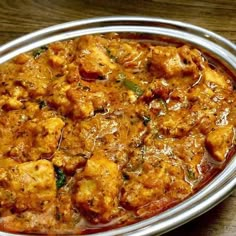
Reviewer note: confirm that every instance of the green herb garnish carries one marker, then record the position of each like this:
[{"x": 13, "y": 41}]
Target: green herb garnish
[
  {"x": 58, "y": 216},
  {"x": 60, "y": 177},
  {"x": 190, "y": 174},
  {"x": 84, "y": 88},
  {"x": 164, "y": 105},
  {"x": 126, "y": 176},
  {"x": 109, "y": 53},
  {"x": 36, "y": 53},
  {"x": 42, "y": 104},
  {"x": 101, "y": 77},
  {"x": 146, "y": 119}
]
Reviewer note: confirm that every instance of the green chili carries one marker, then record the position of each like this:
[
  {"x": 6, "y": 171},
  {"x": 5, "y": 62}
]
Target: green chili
[
  {"x": 132, "y": 86},
  {"x": 129, "y": 84}
]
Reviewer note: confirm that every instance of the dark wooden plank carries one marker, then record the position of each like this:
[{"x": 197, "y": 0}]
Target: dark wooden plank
[{"x": 26, "y": 16}]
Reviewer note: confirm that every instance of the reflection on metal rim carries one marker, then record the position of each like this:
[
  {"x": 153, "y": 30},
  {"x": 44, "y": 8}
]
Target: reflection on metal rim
[{"x": 218, "y": 47}]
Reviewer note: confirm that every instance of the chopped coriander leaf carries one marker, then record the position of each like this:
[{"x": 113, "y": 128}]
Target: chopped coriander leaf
[
  {"x": 58, "y": 216},
  {"x": 109, "y": 53},
  {"x": 60, "y": 177},
  {"x": 36, "y": 53},
  {"x": 126, "y": 176},
  {"x": 164, "y": 105},
  {"x": 190, "y": 174},
  {"x": 146, "y": 119},
  {"x": 101, "y": 77},
  {"x": 143, "y": 151},
  {"x": 42, "y": 104},
  {"x": 85, "y": 88},
  {"x": 100, "y": 110}
]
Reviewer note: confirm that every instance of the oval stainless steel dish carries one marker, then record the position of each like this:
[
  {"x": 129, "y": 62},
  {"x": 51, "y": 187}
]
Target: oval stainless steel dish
[{"x": 214, "y": 45}]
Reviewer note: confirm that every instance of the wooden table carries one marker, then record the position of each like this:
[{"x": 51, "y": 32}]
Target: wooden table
[{"x": 18, "y": 17}]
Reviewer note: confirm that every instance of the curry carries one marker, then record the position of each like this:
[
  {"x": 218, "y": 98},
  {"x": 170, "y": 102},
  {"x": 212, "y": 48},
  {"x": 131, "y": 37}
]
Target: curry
[{"x": 104, "y": 131}]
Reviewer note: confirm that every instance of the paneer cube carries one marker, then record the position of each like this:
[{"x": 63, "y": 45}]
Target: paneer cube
[
  {"x": 31, "y": 184},
  {"x": 85, "y": 103},
  {"x": 177, "y": 123},
  {"x": 170, "y": 61},
  {"x": 219, "y": 142},
  {"x": 214, "y": 78},
  {"x": 94, "y": 63},
  {"x": 39, "y": 139},
  {"x": 98, "y": 189},
  {"x": 57, "y": 95},
  {"x": 48, "y": 135},
  {"x": 69, "y": 163},
  {"x": 144, "y": 188},
  {"x": 10, "y": 103},
  {"x": 153, "y": 183},
  {"x": 166, "y": 61}
]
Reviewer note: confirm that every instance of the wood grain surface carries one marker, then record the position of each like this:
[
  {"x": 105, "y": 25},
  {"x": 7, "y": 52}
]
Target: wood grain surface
[{"x": 19, "y": 17}]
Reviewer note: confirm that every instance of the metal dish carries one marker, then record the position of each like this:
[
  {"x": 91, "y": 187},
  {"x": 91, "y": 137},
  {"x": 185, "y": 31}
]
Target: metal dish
[{"x": 212, "y": 44}]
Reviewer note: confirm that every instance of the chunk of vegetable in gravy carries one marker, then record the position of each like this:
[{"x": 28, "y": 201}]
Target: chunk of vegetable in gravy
[
  {"x": 104, "y": 131},
  {"x": 98, "y": 188},
  {"x": 219, "y": 141},
  {"x": 28, "y": 186}
]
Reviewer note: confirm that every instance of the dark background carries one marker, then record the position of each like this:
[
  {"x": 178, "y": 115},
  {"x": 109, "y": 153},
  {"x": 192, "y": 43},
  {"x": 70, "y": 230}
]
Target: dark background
[{"x": 21, "y": 17}]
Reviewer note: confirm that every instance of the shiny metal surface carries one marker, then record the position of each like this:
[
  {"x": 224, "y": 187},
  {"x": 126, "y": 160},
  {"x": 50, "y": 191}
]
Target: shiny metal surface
[{"x": 214, "y": 45}]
